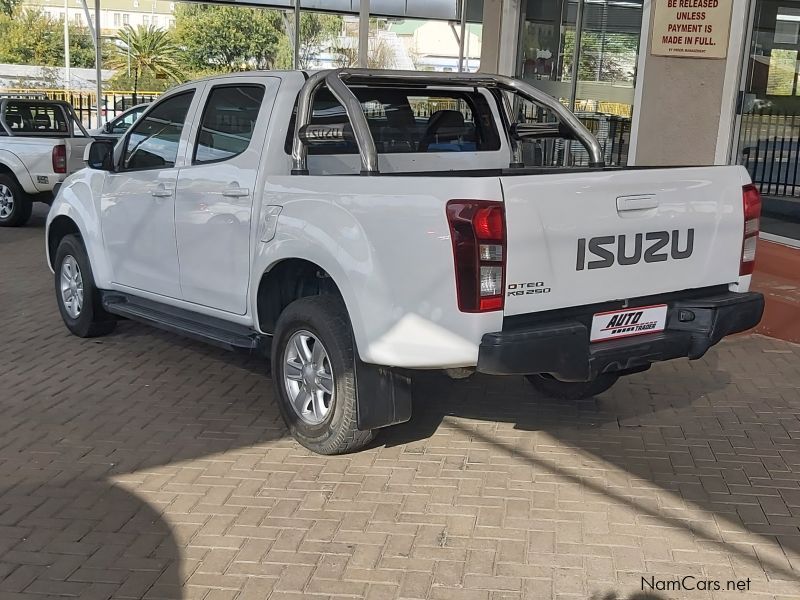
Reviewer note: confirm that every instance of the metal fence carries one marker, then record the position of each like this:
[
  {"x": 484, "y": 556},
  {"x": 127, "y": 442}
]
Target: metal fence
[
  {"x": 769, "y": 148},
  {"x": 112, "y": 103}
]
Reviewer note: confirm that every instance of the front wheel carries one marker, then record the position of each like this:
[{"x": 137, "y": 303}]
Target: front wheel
[
  {"x": 78, "y": 299},
  {"x": 572, "y": 390},
  {"x": 313, "y": 367}
]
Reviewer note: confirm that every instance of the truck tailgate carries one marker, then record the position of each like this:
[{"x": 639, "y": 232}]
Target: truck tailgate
[{"x": 581, "y": 238}]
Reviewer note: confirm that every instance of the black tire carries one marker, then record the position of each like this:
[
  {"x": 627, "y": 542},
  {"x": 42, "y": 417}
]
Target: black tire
[
  {"x": 325, "y": 318},
  {"x": 91, "y": 320},
  {"x": 572, "y": 390},
  {"x": 21, "y": 204}
]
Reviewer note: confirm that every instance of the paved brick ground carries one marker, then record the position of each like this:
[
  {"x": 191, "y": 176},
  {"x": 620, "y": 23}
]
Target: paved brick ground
[{"x": 141, "y": 465}]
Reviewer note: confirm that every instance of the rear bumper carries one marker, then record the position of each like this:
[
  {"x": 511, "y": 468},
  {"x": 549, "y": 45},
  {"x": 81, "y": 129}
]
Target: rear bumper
[{"x": 562, "y": 349}]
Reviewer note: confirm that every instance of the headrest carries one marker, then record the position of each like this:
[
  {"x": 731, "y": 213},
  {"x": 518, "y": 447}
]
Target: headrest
[{"x": 442, "y": 119}]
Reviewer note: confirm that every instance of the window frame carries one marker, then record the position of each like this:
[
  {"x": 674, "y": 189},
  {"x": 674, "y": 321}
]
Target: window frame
[
  {"x": 121, "y": 168},
  {"x": 207, "y": 96}
]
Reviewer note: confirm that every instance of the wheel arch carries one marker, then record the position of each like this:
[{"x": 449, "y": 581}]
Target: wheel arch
[
  {"x": 60, "y": 227},
  {"x": 10, "y": 164},
  {"x": 287, "y": 280},
  {"x": 75, "y": 210}
]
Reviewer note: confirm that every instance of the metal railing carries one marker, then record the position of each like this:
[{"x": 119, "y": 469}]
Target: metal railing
[
  {"x": 112, "y": 103},
  {"x": 769, "y": 148},
  {"x": 335, "y": 80}
]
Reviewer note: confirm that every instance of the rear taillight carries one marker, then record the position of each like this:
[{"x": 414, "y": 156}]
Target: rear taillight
[
  {"x": 478, "y": 232},
  {"x": 59, "y": 159},
  {"x": 751, "y": 198}
]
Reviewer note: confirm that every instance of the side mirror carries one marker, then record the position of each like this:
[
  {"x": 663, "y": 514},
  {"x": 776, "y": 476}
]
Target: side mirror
[
  {"x": 107, "y": 127},
  {"x": 100, "y": 155}
]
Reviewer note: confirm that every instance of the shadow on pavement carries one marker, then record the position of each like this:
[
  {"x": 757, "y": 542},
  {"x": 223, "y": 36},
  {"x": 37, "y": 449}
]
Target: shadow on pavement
[{"x": 76, "y": 537}]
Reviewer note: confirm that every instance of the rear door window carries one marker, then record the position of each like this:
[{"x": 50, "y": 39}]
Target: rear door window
[{"x": 229, "y": 119}]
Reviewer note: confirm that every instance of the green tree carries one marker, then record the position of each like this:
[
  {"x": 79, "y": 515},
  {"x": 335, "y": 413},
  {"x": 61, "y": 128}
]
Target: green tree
[
  {"x": 8, "y": 7},
  {"x": 30, "y": 37},
  {"x": 318, "y": 32},
  {"x": 229, "y": 38},
  {"x": 149, "y": 52},
  {"x": 609, "y": 57}
]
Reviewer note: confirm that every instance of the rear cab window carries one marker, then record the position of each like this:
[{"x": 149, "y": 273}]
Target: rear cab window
[
  {"x": 410, "y": 120},
  {"x": 36, "y": 118}
]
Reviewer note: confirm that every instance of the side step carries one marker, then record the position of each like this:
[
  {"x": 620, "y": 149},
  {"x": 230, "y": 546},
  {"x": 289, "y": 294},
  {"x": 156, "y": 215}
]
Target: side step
[{"x": 218, "y": 332}]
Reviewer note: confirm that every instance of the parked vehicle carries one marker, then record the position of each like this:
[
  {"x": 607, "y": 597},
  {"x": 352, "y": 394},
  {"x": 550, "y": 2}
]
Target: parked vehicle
[
  {"x": 116, "y": 127},
  {"x": 320, "y": 219},
  {"x": 41, "y": 142}
]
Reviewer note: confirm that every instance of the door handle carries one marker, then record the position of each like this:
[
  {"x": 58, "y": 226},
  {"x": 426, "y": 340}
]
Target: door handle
[
  {"x": 161, "y": 192},
  {"x": 235, "y": 192},
  {"x": 639, "y": 202}
]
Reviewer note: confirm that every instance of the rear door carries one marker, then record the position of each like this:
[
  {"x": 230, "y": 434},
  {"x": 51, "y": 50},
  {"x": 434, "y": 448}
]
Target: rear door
[
  {"x": 582, "y": 238},
  {"x": 213, "y": 213}
]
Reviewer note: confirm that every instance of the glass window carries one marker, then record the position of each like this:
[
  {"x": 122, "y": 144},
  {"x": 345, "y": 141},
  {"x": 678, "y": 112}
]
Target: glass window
[
  {"x": 769, "y": 123},
  {"x": 117, "y": 19},
  {"x": 597, "y": 78},
  {"x": 153, "y": 141},
  {"x": 32, "y": 117},
  {"x": 228, "y": 122},
  {"x": 123, "y": 123},
  {"x": 411, "y": 120},
  {"x": 126, "y": 18}
]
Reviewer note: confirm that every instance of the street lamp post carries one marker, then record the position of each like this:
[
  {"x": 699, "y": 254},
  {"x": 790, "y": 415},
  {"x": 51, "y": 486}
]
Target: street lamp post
[{"x": 67, "y": 74}]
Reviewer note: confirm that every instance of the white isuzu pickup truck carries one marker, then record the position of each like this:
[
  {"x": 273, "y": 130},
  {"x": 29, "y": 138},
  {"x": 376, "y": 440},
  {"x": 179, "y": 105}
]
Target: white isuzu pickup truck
[
  {"x": 41, "y": 142},
  {"x": 357, "y": 226}
]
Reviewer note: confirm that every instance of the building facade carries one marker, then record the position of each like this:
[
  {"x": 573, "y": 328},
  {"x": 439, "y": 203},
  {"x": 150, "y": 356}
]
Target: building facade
[
  {"x": 677, "y": 82},
  {"x": 114, "y": 14}
]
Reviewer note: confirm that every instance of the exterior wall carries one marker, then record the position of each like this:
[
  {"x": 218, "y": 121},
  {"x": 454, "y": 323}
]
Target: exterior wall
[
  {"x": 684, "y": 107},
  {"x": 500, "y": 36}
]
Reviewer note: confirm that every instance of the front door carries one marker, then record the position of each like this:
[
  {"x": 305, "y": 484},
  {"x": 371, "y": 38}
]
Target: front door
[
  {"x": 214, "y": 207},
  {"x": 138, "y": 202}
]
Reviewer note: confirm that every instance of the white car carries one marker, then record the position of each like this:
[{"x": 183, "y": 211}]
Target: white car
[
  {"x": 358, "y": 226},
  {"x": 116, "y": 127},
  {"x": 41, "y": 142}
]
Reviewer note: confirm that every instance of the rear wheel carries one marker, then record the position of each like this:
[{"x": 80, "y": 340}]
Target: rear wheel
[
  {"x": 77, "y": 297},
  {"x": 15, "y": 205},
  {"x": 313, "y": 367},
  {"x": 572, "y": 390}
]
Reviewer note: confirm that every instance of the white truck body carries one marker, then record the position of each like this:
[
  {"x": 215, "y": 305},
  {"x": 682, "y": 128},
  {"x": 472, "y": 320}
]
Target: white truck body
[
  {"x": 41, "y": 142},
  {"x": 204, "y": 239},
  {"x": 30, "y": 159}
]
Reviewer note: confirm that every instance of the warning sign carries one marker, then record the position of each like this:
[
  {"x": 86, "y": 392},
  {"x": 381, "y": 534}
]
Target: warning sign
[{"x": 691, "y": 28}]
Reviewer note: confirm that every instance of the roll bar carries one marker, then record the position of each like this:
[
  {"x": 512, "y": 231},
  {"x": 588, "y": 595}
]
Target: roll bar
[{"x": 336, "y": 81}]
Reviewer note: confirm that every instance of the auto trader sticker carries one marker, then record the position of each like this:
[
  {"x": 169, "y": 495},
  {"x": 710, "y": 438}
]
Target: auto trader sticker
[{"x": 631, "y": 321}]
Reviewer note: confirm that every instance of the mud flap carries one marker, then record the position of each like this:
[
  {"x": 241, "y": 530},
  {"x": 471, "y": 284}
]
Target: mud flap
[{"x": 384, "y": 396}]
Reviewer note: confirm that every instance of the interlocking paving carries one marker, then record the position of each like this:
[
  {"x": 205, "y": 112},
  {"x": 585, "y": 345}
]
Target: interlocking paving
[{"x": 142, "y": 465}]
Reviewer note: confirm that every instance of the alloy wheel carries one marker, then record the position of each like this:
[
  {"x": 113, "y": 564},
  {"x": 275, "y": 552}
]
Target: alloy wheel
[
  {"x": 308, "y": 377},
  {"x": 6, "y": 201},
  {"x": 71, "y": 286}
]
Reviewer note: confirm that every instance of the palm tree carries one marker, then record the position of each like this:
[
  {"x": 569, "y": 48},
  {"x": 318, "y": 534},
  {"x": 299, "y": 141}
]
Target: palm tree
[{"x": 146, "y": 49}]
